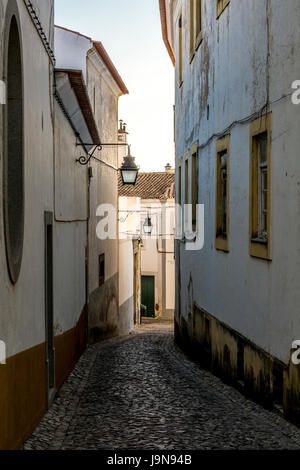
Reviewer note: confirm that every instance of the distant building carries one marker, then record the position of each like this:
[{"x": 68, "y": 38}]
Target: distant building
[
  {"x": 147, "y": 212},
  {"x": 237, "y": 140}
]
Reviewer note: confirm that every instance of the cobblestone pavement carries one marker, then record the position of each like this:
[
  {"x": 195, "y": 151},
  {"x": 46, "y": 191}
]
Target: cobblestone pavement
[{"x": 141, "y": 392}]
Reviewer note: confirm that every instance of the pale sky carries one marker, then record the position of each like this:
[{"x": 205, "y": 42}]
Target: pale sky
[{"x": 130, "y": 32}]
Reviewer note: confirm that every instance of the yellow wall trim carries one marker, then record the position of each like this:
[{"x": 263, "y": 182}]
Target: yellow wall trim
[{"x": 23, "y": 385}]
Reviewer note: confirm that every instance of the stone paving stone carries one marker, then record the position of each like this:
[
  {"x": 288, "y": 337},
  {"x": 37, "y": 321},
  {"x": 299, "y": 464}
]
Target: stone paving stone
[{"x": 141, "y": 392}]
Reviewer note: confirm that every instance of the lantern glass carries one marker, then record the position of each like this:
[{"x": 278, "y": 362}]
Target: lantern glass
[{"x": 129, "y": 176}]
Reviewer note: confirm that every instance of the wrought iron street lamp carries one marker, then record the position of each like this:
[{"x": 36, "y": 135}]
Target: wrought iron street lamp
[{"x": 129, "y": 170}]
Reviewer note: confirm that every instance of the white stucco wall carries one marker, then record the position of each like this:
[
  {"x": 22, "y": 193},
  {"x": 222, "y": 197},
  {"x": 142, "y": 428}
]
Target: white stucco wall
[
  {"x": 157, "y": 253},
  {"x": 22, "y": 306},
  {"x": 104, "y": 183},
  {"x": 71, "y": 50},
  {"x": 70, "y": 229},
  {"x": 229, "y": 73}
]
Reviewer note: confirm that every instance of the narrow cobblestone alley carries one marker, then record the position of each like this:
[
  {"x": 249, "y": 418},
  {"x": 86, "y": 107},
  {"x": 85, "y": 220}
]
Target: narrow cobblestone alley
[{"x": 141, "y": 392}]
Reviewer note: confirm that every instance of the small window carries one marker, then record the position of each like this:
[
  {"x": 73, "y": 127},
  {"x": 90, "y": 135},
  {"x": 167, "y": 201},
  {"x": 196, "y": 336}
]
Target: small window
[
  {"x": 194, "y": 151},
  {"x": 261, "y": 142},
  {"x": 221, "y": 5},
  {"x": 260, "y": 215},
  {"x": 101, "y": 269},
  {"x": 180, "y": 48},
  {"x": 186, "y": 190},
  {"x": 222, "y": 195},
  {"x": 192, "y": 38},
  {"x": 186, "y": 179},
  {"x": 179, "y": 184},
  {"x": 195, "y": 26},
  {"x": 198, "y": 23}
]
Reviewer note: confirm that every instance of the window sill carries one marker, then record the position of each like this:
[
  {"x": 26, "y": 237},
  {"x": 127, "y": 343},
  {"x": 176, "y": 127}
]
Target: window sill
[
  {"x": 260, "y": 249},
  {"x": 222, "y": 244},
  {"x": 199, "y": 40}
]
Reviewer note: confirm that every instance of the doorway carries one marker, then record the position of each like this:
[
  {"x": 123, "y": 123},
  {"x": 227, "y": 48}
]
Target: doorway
[
  {"x": 135, "y": 287},
  {"x": 148, "y": 296},
  {"x": 50, "y": 351}
]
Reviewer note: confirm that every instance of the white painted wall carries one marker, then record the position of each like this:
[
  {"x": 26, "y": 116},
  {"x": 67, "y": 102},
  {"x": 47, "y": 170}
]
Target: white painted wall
[
  {"x": 22, "y": 307},
  {"x": 71, "y": 50},
  {"x": 229, "y": 73},
  {"x": 70, "y": 229},
  {"x": 157, "y": 255}
]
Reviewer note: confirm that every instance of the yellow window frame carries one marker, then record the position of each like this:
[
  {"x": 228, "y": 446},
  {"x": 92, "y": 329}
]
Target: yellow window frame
[
  {"x": 198, "y": 23},
  {"x": 196, "y": 35},
  {"x": 221, "y": 5},
  {"x": 192, "y": 39}
]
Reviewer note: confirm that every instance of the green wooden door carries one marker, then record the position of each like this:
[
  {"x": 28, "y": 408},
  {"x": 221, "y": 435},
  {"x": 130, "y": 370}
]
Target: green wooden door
[{"x": 148, "y": 295}]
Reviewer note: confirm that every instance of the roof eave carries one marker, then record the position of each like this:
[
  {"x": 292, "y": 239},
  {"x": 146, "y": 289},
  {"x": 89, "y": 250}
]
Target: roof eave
[
  {"x": 79, "y": 87},
  {"x": 164, "y": 28}
]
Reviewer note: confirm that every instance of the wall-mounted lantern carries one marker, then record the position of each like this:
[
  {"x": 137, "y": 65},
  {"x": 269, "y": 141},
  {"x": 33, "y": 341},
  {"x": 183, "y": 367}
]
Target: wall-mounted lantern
[
  {"x": 129, "y": 170},
  {"x": 147, "y": 226}
]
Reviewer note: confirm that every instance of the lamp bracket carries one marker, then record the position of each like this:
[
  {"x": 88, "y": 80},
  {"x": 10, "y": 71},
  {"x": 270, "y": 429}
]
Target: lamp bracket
[{"x": 84, "y": 160}]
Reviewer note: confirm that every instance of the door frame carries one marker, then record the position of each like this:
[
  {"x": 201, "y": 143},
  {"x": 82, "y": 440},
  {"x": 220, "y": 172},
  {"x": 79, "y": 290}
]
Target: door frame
[
  {"x": 153, "y": 276},
  {"x": 49, "y": 310}
]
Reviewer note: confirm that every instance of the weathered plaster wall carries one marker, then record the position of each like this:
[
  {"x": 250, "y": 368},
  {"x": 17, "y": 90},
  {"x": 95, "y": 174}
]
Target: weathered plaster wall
[
  {"x": 22, "y": 306},
  {"x": 22, "y": 324},
  {"x": 70, "y": 230},
  {"x": 129, "y": 261},
  {"x": 126, "y": 284},
  {"x": 104, "y": 305},
  {"x": 233, "y": 74},
  {"x": 157, "y": 253}
]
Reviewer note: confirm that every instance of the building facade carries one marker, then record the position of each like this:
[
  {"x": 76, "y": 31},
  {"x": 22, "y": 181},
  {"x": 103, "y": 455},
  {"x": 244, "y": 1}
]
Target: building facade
[
  {"x": 26, "y": 195},
  {"x": 104, "y": 86},
  {"x": 50, "y": 117},
  {"x": 147, "y": 213},
  {"x": 237, "y": 136}
]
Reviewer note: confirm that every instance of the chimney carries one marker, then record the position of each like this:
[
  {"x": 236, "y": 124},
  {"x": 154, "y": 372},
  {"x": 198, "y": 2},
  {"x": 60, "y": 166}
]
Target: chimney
[
  {"x": 169, "y": 169},
  {"x": 123, "y": 127}
]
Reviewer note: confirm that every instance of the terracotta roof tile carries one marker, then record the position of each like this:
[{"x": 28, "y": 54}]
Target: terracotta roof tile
[{"x": 156, "y": 185}]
